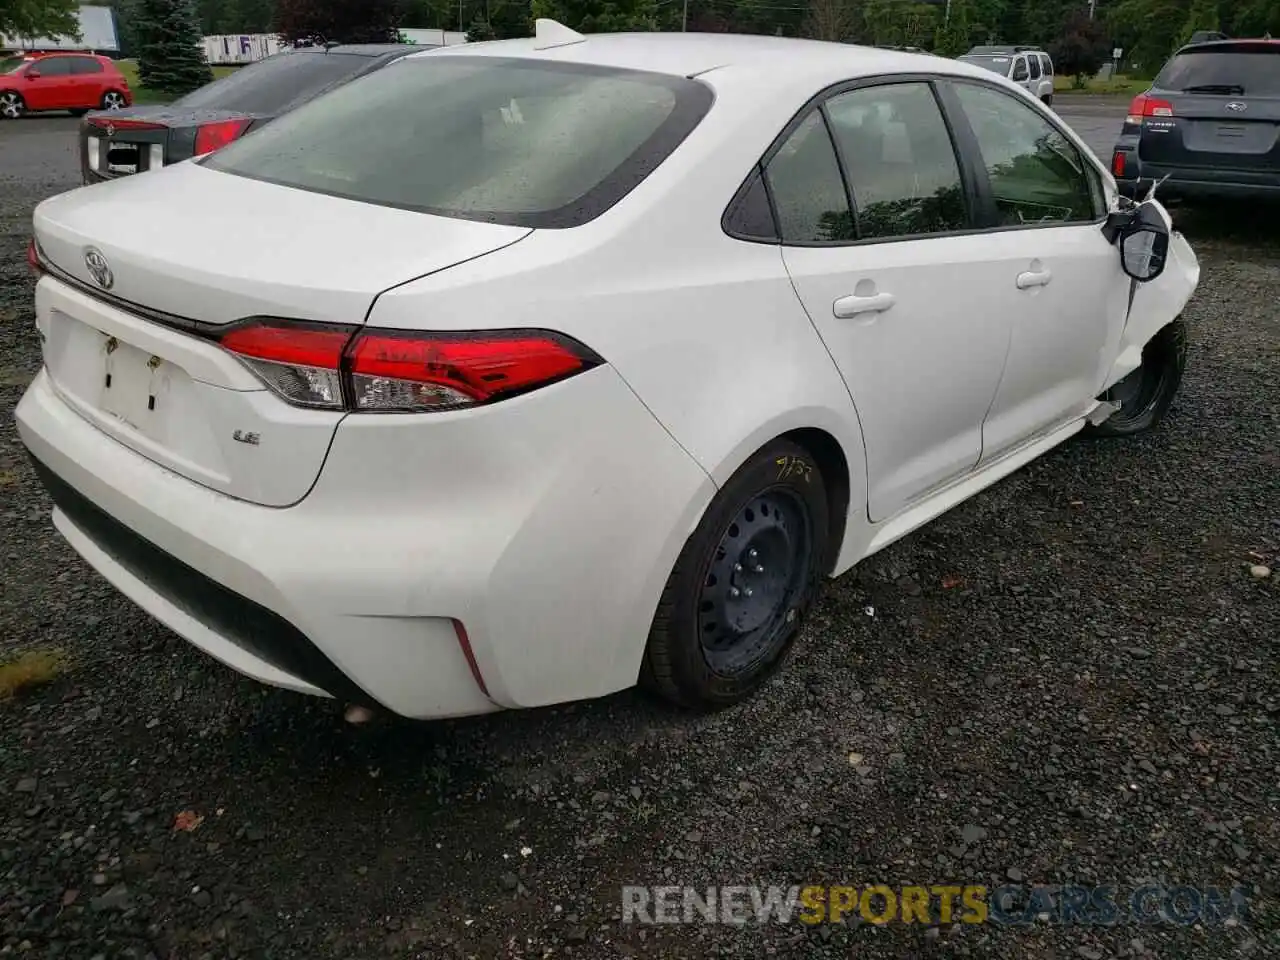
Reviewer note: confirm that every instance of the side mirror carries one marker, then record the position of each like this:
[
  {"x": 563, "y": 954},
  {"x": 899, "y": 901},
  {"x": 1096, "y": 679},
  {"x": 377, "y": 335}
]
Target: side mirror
[
  {"x": 32, "y": 73},
  {"x": 1144, "y": 244}
]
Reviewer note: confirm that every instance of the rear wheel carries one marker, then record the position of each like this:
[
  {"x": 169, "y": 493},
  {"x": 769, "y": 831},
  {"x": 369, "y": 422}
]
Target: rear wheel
[
  {"x": 112, "y": 100},
  {"x": 11, "y": 105},
  {"x": 1146, "y": 394},
  {"x": 1047, "y": 99},
  {"x": 740, "y": 591}
]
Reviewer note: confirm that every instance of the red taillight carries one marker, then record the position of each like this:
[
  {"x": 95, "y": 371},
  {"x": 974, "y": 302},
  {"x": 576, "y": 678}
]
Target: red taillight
[
  {"x": 215, "y": 136},
  {"x": 1117, "y": 163},
  {"x": 1148, "y": 106},
  {"x": 124, "y": 124},
  {"x": 34, "y": 263},
  {"x": 339, "y": 367}
]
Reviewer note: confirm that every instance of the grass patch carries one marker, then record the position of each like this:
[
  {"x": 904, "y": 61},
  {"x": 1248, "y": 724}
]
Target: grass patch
[
  {"x": 29, "y": 670},
  {"x": 1117, "y": 85},
  {"x": 8, "y": 478},
  {"x": 142, "y": 95}
]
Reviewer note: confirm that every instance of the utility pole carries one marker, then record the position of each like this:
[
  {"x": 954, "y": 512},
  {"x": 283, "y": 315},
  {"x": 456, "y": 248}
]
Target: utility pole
[
  {"x": 1092, "y": 4},
  {"x": 685, "y": 25}
]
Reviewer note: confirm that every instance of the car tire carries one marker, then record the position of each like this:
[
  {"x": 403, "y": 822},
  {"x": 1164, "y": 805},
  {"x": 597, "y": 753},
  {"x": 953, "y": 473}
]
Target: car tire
[
  {"x": 1147, "y": 393},
  {"x": 112, "y": 100},
  {"x": 744, "y": 583},
  {"x": 12, "y": 106}
]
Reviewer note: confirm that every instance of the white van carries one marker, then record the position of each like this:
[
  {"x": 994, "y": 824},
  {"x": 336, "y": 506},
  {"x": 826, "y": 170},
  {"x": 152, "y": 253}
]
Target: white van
[{"x": 1028, "y": 67}]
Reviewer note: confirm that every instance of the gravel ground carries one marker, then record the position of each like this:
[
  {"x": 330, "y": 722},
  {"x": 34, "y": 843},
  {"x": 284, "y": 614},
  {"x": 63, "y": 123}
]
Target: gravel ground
[{"x": 1070, "y": 679}]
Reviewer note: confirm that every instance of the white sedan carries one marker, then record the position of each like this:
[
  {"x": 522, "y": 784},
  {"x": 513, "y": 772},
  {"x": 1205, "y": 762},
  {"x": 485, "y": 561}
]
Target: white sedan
[{"x": 516, "y": 373}]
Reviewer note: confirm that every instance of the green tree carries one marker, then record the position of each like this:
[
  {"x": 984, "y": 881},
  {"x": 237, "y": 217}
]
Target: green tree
[
  {"x": 339, "y": 21},
  {"x": 952, "y": 38},
  {"x": 39, "y": 18},
  {"x": 480, "y": 30},
  {"x": 600, "y": 16},
  {"x": 1082, "y": 48},
  {"x": 170, "y": 55}
]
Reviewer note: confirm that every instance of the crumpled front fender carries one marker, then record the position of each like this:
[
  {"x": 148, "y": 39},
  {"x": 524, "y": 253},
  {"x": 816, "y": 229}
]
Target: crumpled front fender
[{"x": 1157, "y": 302}]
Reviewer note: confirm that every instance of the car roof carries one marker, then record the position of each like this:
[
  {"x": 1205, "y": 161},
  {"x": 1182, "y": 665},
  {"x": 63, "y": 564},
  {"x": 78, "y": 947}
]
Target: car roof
[
  {"x": 1235, "y": 43},
  {"x": 692, "y": 54}
]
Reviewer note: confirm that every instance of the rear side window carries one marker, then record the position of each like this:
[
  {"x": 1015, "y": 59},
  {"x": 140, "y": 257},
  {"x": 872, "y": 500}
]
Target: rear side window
[
  {"x": 1234, "y": 70},
  {"x": 270, "y": 85},
  {"x": 85, "y": 65},
  {"x": 901, "y": 164},
  {"x": 808, "y": 191},
  {"x": 521, "y": 142},
  {"x": 1047, "y": 64}
]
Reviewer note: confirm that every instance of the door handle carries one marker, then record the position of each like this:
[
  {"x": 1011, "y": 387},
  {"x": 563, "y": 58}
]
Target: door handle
[
  {"x": 1034, "y": 278},
  {"x": 851, "y": 306}
]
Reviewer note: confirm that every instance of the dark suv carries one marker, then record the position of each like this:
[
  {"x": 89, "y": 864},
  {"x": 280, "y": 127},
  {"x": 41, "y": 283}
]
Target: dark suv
[
  {"x": 1210, "y": 123},
  {"x": 118, "y": 143}
]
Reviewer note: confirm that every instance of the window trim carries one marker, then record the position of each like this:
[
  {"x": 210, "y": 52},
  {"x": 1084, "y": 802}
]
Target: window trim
[{"x": 973, "y": 171}]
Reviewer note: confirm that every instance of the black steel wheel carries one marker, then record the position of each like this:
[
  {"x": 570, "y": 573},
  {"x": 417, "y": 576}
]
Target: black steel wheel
[{"x": 738, "y": 596}]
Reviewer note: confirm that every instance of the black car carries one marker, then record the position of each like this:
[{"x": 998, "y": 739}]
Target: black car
[
  {"x": 1210, "y": 123},
  {"x": 118, "y": 143}
]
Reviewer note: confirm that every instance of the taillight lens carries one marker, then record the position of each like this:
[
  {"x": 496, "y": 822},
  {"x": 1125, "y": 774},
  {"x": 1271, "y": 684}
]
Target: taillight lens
[
  {"x": 341, "y": 367},
  {"x": 214, "y": 136},
  {"x": 34, "y": 262},
  {"x": 1117, "y": 163},
  {"x": 300, "y": 362},
  {"x": 1148, "y": 106}
]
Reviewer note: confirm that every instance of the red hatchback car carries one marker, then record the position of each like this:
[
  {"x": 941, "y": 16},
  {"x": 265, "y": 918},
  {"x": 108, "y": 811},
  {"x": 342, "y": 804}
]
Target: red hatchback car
[{"x": 78, "y": 82}]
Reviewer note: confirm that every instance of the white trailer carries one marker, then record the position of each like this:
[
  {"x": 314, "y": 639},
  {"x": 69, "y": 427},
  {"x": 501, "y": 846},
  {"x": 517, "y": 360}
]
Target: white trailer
[
  {"x": 233, "y": 48},
  {"x": 97, "y": 32},
  {"x": 433, "y": 38}
]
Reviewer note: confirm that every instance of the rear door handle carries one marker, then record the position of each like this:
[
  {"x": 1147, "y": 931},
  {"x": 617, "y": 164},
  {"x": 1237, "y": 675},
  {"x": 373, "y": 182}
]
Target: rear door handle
[
  {"x": 852, "y": 306},
  {"x": 1034, "y": 278}
]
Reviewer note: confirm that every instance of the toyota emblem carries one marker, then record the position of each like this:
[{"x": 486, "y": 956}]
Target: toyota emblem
[
  {"x": 1235, "y": 106},
  {"x": 98, "y": 268}
]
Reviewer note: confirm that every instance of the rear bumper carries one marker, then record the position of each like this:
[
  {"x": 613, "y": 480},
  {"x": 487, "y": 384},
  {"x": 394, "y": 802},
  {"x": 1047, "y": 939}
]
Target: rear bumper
[
  {"x": 547, "y": 529},
  {"x": 1195, "y": 183}
]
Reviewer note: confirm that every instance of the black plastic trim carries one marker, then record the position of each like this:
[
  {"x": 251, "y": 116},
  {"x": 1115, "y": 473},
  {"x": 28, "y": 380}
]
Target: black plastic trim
[{"x": 237, "y": 619}]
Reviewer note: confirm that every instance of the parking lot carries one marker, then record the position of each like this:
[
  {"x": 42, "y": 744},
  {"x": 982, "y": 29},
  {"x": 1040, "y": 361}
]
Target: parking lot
[{"x": 1073, "y": 678}]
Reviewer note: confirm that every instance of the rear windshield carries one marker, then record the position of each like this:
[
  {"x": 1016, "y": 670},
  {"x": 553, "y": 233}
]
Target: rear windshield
[
  {"x": 522, "y": 142},
  {"x": 270, "y": 85},
  {"x": 1233, "y": 71},
  {"x": 998, "y": 65}
]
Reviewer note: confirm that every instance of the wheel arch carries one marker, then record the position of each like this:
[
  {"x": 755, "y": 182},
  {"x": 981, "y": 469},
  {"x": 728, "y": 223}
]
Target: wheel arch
[{"x": 836, "y": 446}]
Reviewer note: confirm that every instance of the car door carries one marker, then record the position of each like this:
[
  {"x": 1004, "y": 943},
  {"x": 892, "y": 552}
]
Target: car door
[
  {"x": 87, "y": 83},
  {"x": 44, "y": 84},
  {"x": 874, "y": 215},
  {"x": 1047, "y": 208}
]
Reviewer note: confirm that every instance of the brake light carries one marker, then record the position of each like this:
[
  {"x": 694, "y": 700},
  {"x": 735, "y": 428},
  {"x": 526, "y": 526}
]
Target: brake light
[
  {"x": 34, "y": 262},
  {"x": 104, "y": 122},
  {"x": 1117, "y": 164},
  {"x": 215, "y": 136},
  {"x": 1147, "y": 106},
  {"x": 340, "y": 367}
]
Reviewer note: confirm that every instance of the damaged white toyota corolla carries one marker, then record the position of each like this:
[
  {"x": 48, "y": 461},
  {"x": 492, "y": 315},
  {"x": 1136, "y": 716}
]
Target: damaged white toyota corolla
[{"x": 516, "y": 373}]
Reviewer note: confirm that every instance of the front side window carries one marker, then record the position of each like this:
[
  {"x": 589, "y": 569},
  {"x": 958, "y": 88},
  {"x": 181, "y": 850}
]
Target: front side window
[
  {"x": 52, "y": 67},
  {"x": 521, "y": 142},
  {"x": 1020, "y": 69},
  {"x": 900, "y": 161},
  {"x": 808, "y": 191},
  {"x": 1037, "y": 175},
  {"x": 1033, "y": 62}
]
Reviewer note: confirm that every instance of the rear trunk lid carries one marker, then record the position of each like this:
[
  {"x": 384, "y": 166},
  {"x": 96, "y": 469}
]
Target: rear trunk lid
[
  {"x": 1225, "y": 106},
  {"x": 148, "y": 270},
  {"x": 119, "y": 143}
]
